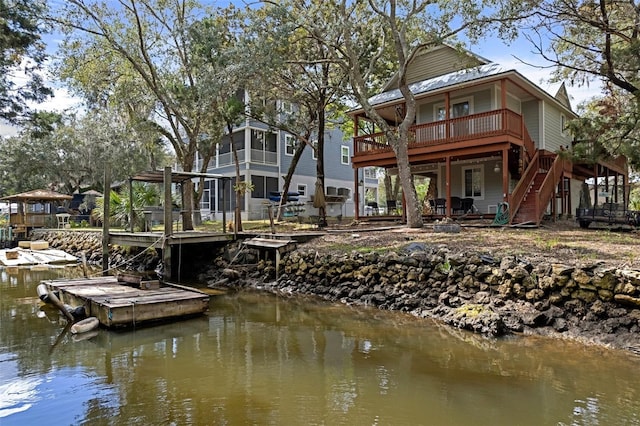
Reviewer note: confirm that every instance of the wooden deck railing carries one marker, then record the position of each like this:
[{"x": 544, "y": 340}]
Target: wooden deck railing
[
  {"x": 486, "y": 124},
  {"x": 554, "y": 166}
]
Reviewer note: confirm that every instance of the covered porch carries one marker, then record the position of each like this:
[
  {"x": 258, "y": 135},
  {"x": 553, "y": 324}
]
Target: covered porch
[{"x": 36, "y": 209}]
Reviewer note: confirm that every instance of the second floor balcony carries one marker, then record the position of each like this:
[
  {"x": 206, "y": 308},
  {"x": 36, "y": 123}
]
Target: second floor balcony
[{"x": 485, "y": 128}]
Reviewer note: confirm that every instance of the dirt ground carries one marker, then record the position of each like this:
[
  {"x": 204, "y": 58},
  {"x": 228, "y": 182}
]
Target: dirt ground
[{"x": 562, "y": 241}]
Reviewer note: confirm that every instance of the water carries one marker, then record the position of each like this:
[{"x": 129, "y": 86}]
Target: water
[{"x": 258, "y": 359}]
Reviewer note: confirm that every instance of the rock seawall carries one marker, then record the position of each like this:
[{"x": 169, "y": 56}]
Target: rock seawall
[
  {"x": 488, "y": 295},
  {"x": 90, "y": 243}
]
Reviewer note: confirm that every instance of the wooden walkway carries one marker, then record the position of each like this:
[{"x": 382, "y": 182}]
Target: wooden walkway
[{"x": 118, "y": 305}]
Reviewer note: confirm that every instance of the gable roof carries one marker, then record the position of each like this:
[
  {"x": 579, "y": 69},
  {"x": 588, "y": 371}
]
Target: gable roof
[
  {"x": 562, "y": 96},
  {"x": 436, "y": 61}
]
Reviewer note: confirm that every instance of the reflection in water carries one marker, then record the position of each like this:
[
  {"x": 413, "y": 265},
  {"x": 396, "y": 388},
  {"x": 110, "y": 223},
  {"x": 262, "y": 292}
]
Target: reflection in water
[{"x": 258, "y": 359}]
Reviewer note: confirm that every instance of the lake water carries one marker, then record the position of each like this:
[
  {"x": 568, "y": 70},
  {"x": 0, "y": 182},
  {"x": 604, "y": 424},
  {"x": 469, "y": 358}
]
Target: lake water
[{"x": 257, "y": 359}]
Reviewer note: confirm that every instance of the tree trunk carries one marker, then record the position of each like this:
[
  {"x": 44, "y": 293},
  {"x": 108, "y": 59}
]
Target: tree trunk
[
  {"x": 239, "y": 189},
  {"x": 187, "y": 208},
  {"x": 412, "y": 209},
  {"x": 287, "y": 179}
]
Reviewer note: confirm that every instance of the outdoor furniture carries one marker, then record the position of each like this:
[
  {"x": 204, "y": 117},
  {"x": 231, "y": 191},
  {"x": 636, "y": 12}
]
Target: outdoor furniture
[
  {"x": 392, "y": 206},
  {"x": 63, "y": 220},
  {"x": 372, "y": 206},
  {"x": 441, "y": 204},
  {"x": 467, "y": 205},
  {"x": 456, "y": 205}
]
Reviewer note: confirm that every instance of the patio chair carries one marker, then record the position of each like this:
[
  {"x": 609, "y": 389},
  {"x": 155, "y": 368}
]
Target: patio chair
[
  {"x": 63, "y": 220},
  {"x": 456, "y": 205},
  {"x": 467, "y": 205},
  {"x": 392, "y": 206}
]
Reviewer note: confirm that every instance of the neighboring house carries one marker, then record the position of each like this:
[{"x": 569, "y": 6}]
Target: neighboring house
[
  {"x": 486, "y": 134},
  {"x": 265, "y": 155}
]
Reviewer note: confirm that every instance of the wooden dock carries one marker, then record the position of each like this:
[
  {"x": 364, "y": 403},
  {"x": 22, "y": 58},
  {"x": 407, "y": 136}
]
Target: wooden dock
[{"x": 116, "y": 304}]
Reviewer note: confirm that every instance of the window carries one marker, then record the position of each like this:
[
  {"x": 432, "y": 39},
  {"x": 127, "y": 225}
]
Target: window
[
  {"x": 563, "y": 125},
  {"x": 263, "y": 185},
  {"x": 314, "y": 152},
  {"x": 286, "y": 107},
  {"x": 264, "y": 147},
  {"x": 371, "y": 173},
  {"x": 205, "y": 201},
  {"x": 289, "y": 145},
  {"x": 227, "y": 195},
  {"x": 473, "y": 182},
  {"x": 456, "y": 109},
  {"x": 302, "y": 190},
  {"x": 344, "y": 154}
]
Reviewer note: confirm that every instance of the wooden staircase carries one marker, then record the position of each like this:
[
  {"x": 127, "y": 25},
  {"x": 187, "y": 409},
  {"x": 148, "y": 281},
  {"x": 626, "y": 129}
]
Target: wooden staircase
[{"x": 536, "y": 188}]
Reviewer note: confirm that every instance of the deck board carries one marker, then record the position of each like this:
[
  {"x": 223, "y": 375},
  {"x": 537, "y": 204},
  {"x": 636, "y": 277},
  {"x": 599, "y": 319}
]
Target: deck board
[{"x": 116, "y": 304}]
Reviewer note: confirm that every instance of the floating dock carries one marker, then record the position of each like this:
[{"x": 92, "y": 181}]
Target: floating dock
[{"x": 116, "y": 304}]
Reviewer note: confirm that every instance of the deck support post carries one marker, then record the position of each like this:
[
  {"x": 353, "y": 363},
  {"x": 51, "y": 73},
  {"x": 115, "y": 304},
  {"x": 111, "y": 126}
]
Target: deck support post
[
  {"x": 168, "y": 225},
  {"x": 356, "y": 194},
  {"x": 448, "y": 186},
  {"x": 505, "y": 175},
  {"x": 106, "y": 214}
]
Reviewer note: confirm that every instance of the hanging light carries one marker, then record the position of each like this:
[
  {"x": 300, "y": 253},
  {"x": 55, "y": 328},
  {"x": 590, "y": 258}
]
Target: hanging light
[{"x": 497, "y": 168}]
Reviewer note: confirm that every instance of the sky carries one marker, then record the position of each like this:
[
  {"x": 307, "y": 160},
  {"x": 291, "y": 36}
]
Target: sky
[{"x": 492, "y": 49}]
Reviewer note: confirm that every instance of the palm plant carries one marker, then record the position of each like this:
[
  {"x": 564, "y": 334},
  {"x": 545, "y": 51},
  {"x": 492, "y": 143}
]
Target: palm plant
[{"x": 120, "y": 205}]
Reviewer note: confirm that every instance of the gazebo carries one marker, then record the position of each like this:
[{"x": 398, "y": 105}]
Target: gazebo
[{"x": 35, "y": 209}]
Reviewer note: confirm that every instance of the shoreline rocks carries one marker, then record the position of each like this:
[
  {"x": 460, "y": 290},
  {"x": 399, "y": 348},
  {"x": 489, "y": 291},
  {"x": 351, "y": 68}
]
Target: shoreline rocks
[
  {"x": 489, "y": 295},
  {"x": 486, "y": 294}
]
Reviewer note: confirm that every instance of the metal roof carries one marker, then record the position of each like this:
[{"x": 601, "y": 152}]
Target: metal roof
[
  {"x": 441, "y": 82},
  {"x": 157, "y": 176}
]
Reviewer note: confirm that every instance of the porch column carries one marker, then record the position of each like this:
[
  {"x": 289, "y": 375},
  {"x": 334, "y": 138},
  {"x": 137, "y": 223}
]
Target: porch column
[
  {"x": 356, "y": 193},
  {"x": 503, "y": 93},
  {"x": 625, "y": 194},
  {"x": 606, "y": 185},
  {"x": 448, "y": 185},
  {"x": 447, "y": 115},
  {"x": 595, "y": 185},
  {"x": 505, "y": 175},
  {"x": 563, "y": 198},
  {"x": 356, "y": 124}
]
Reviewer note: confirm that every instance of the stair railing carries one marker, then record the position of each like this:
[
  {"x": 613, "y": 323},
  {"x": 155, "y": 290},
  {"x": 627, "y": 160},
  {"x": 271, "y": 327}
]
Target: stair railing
[
  {"x": 547, "y": 189},
  {"x": 521, "y": 189}
]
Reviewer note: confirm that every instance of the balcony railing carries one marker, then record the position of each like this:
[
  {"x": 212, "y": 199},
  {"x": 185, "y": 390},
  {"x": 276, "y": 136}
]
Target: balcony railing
[{"x": 487, "y": 124}]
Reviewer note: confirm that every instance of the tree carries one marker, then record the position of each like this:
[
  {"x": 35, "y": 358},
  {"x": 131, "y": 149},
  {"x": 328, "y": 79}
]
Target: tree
[
  {"x": 609, "y": 126},
  {"x": 358, "y": 34},
  {"x": 61, "y": 153},
  {"x": 294, "y": 67},
  {"x": 596, "y": 40},
  {"x": 142, "y": 51},
  {"x": 21, "y": 57},
  {"x": 590, "y": 40}
]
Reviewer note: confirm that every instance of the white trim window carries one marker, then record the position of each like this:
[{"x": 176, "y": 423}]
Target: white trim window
[
  {"x": 345, "y": 155},
  {"x": 314, "y": 151},
  {"x": 289, "y": 145},
  {"x": 563, "y": 125},
  {"x": 458, "y": 108},
  {"x": 302, "y": 189},
  {"x": 473, "y": 182}
]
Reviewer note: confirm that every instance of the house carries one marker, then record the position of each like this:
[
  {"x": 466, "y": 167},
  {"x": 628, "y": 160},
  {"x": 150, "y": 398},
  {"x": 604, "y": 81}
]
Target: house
[
  {"x": 264, "y": 155},
  {"x": 487, "y": 135}
]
